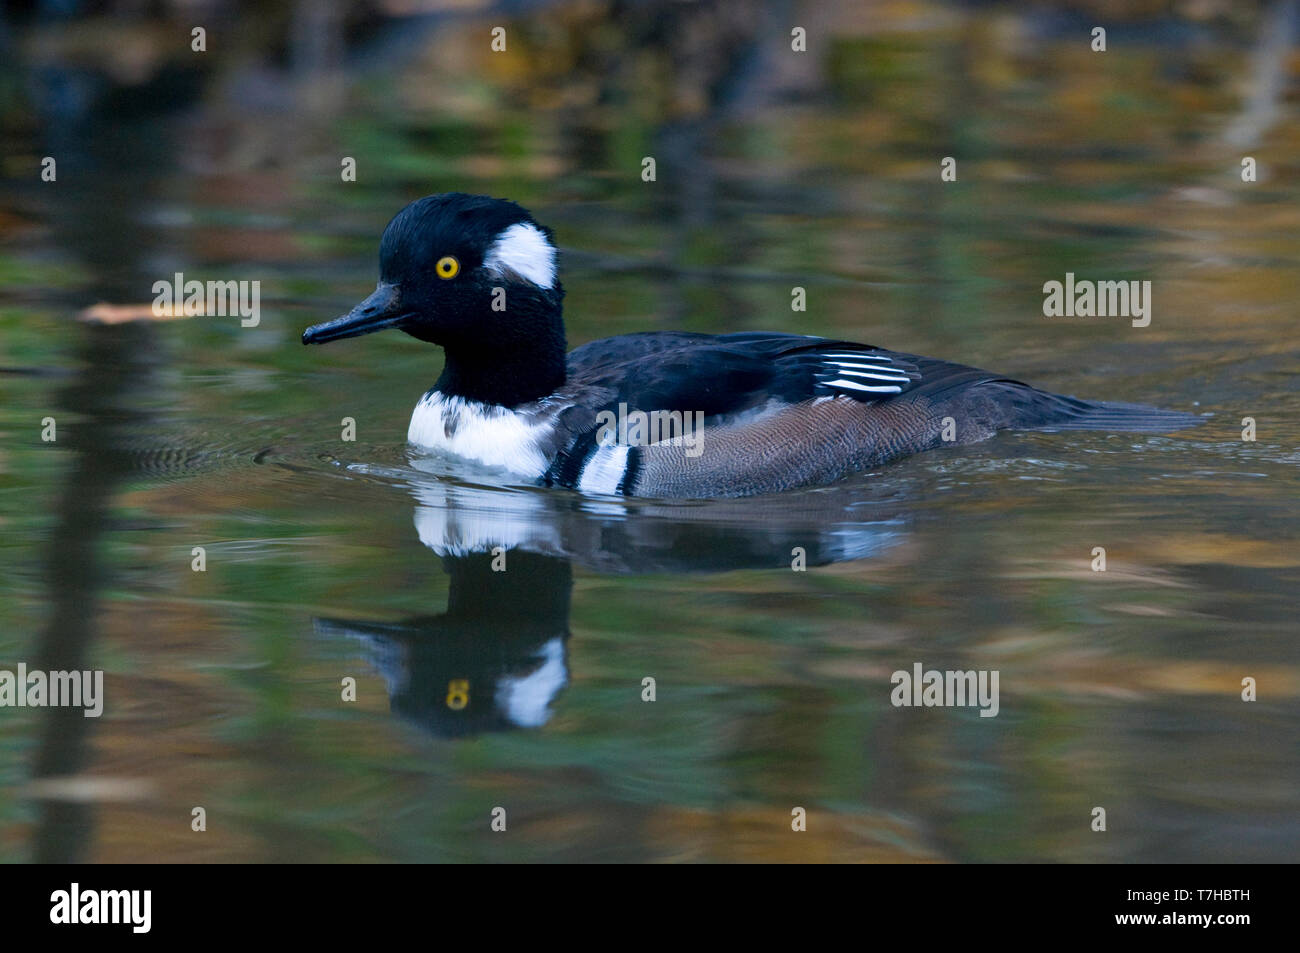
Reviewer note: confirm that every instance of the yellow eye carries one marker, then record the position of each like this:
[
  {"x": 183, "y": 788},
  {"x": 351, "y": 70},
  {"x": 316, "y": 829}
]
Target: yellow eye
[{"x": 447, "y": 267}]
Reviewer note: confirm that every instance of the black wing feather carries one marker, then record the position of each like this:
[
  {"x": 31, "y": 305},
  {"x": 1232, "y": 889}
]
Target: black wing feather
[{"x": 724, "y": 374}]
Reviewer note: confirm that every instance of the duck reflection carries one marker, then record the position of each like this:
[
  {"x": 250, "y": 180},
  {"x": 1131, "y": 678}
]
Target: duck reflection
[
  {"x": 494, "y": 660},
  {"x": 497, "y": 659}
]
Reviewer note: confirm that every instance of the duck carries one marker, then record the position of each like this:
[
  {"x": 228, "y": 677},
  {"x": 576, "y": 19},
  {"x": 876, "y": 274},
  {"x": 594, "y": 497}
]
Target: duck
[{"x": 662, "y": 414}]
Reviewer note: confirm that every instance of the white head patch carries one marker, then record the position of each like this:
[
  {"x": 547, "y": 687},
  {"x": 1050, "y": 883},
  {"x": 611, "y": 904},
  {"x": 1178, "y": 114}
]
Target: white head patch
[{"x": 522, "y": 250}]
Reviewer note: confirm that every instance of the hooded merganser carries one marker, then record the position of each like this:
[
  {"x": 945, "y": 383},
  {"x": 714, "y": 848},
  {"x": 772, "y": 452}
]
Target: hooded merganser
[{"x": 477, "y": 276}]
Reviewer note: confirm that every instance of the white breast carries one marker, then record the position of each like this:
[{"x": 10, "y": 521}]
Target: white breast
[{"x": 486, "y": 433}]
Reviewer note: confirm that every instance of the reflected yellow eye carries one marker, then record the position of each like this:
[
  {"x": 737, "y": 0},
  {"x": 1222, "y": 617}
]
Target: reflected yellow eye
[{"x": 447, "y": 267}]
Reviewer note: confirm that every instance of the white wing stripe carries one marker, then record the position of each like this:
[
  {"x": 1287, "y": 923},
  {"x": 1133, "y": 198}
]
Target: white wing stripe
[
  {"x": 853, "y": 385},
  {"x": 874, "y": 367},
  {"x": 900, "y": 378}
]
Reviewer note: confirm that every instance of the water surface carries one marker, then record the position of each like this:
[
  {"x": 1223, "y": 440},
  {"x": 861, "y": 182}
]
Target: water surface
[{"x": 328, "y": 559}]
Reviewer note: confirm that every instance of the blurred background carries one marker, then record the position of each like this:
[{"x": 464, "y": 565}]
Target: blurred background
[{"x": 775, "y": 168}]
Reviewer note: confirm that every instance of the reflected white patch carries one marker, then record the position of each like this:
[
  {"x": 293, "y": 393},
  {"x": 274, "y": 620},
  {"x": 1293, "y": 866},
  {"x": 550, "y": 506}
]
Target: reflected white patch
[
  {"x": 486, "y": 433},
  {"x": 522, "y": 250},
  {"x": 846, "y": 543},
  {"x": 457, "y": 521},
  {"x": 525, "y": 700}
]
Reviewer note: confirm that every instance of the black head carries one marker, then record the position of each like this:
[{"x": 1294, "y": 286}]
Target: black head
[{"x": 476, "y": 275}]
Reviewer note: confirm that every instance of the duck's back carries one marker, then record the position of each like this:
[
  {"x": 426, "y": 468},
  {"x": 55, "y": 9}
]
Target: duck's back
[{"x": 780, "y": 411}]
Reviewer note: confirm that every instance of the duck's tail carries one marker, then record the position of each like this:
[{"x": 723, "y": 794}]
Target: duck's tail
[{"x": 1032, "y": 409}]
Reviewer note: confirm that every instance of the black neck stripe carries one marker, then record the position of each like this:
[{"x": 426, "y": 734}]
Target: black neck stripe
[
  {"x": 568, "y": 466},
  {"x": 627, "y": 484}
]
